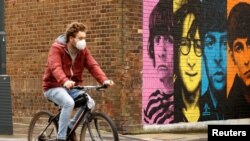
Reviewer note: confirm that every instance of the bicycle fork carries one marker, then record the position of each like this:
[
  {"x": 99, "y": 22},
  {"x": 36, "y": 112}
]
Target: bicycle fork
[
  {"x": 96, "y": 128},
  {"x": 42, "y": 137}
]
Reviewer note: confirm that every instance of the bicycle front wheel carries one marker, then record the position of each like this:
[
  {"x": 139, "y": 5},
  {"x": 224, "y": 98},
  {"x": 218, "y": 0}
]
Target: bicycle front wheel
[
  {"x": 99, "y": 127},
  {"x": 42, "y": 127}
]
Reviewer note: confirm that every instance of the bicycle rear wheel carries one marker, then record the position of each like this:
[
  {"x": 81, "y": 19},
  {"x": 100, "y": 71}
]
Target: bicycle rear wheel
[
  {"x": 99, "y": 127},
  {"x": 42, "y": 128}
]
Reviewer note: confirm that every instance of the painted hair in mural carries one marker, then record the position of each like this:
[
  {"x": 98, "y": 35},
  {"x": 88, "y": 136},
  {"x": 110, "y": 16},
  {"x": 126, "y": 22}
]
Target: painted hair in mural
[
  {"x": 158, "y": 96},
  {"x": 239, "y": 50},
  {"x": 214, "y": 49}
]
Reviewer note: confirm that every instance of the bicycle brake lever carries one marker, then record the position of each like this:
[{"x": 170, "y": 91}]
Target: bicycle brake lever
[{"x": 102, "y": 87}]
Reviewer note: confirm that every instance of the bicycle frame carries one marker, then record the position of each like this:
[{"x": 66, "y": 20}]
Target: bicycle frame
[{"x": 82, "y": 116}]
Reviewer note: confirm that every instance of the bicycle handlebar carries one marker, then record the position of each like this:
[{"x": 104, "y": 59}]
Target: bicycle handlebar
[{"x": 96, "y": 87}]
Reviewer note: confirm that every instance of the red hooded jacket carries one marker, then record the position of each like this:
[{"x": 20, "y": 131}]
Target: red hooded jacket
[{"x": 60, "y": 67}]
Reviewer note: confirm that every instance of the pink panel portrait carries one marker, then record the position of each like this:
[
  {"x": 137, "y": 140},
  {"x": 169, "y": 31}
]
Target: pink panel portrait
[{"x": 157, "y": 91}]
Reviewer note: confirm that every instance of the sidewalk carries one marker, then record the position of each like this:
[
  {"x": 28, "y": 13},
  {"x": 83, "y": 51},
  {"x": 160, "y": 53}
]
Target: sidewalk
[
  {"x": 170, "y": 137},
  {"x": 20, "y": 134}
]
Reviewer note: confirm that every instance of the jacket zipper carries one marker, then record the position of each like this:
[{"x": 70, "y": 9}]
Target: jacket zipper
[{"x": 72, "y": 64}]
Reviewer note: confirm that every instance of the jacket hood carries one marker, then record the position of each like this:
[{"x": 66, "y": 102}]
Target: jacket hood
[{"x": 61, "y": 39}]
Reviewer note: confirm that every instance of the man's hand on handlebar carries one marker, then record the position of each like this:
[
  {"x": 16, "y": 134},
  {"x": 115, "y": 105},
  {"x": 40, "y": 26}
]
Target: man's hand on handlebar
[
  {"x": 69, "y": 84},
  {"x": 108, "y": 83}
]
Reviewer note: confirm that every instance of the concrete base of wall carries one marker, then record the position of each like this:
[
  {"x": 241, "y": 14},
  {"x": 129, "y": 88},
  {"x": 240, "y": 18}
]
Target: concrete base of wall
[{"x": 191, "y": 127}]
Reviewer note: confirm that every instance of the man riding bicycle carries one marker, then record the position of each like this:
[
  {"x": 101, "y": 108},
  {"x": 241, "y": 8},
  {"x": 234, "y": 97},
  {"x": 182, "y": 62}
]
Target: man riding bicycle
[{"x": 67, "y": 58}]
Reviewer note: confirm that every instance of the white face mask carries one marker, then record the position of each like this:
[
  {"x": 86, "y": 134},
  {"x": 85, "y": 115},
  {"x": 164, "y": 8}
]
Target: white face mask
[{"x": 81, "y": 45}]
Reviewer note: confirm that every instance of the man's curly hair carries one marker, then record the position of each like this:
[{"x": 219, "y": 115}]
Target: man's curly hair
[{"x": 73, "y": 28}]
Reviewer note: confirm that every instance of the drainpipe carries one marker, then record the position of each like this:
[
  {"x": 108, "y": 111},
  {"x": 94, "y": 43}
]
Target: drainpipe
[
  {"x": 2, "y": 40},
  {"x": 122, "y": 32},
  {"x": 1, "y": 15}
]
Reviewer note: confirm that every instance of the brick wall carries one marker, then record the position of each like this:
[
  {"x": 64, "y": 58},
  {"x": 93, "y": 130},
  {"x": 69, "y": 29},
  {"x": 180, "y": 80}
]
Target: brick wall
[
  {"x": 132, "y": 63},
  {"x": 114, "y": 39}
]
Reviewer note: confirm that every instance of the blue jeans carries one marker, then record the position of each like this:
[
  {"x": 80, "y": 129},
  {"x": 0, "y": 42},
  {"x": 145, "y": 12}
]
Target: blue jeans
[{"x": 64, "y": 99}]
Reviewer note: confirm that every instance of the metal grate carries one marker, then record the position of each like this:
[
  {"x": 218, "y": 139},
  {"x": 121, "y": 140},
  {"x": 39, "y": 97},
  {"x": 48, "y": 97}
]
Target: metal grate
[{"x": 6, "y": 125}]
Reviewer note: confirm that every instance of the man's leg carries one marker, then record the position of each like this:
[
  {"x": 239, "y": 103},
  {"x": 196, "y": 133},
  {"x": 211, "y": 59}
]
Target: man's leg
[{"x": 61, "y": 97}]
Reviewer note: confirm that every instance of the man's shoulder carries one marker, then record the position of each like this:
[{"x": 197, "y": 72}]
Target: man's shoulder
[{"x": 58, "y": 46}]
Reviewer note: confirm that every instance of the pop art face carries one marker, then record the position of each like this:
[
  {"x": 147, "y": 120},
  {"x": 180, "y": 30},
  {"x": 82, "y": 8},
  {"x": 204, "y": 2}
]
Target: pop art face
[
  {"x": 241, "y": 58},
  {"x": 215, "y": 47},
  {"x": 164, "y": 60},
  {"x": 190, "y": 56}
]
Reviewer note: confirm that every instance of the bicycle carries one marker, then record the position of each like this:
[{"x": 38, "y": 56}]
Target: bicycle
[{"x": 96, "y": 126}]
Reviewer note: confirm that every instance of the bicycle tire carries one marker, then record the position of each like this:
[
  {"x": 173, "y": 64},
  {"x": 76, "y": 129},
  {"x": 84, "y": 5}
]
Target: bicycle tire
[
  {"x": 106, "y": 131},
  {"x": 36, "y": 130}
]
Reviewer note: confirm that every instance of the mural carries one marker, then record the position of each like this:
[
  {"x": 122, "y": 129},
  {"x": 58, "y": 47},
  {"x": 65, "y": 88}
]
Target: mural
[
  {"x": 158, "y": 62},
  {"x": 214, "y": 52},
  {"x": 187, "y": 49},
  {"x": 196, "y": 64},
  {"x": 239, "y": 50}
]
